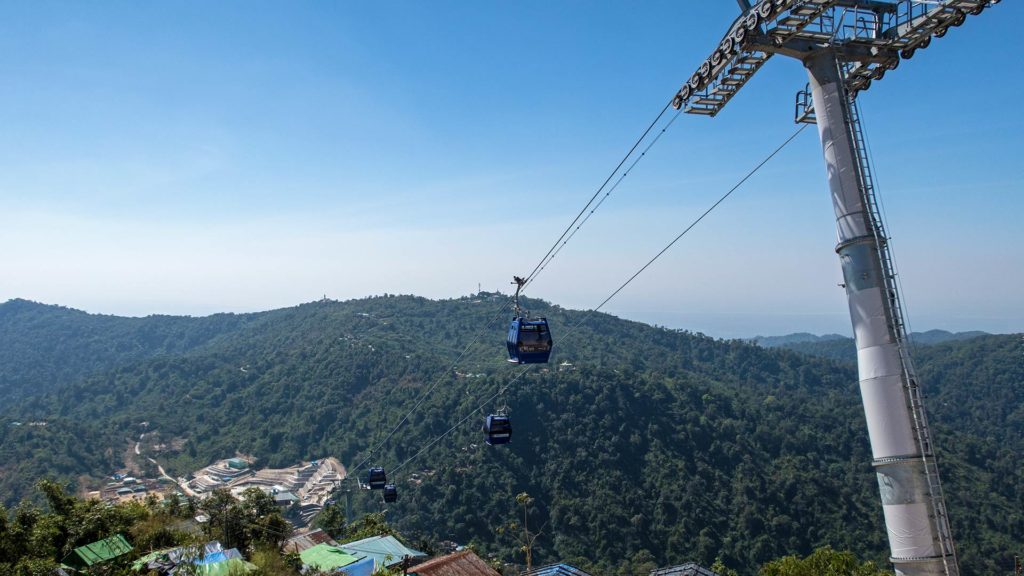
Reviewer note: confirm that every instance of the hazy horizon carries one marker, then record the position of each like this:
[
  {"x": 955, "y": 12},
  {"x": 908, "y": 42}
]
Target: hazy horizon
[{"x": 726, "y": 326}]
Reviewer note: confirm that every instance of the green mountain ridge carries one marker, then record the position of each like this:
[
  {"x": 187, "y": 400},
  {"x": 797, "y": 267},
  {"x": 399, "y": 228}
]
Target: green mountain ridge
[
  {"x": 794, "y": 338},
  {"x": 44, "y": 347},
  {"x": 655, "y": 446},
  {"x": 843, "y": 348}
]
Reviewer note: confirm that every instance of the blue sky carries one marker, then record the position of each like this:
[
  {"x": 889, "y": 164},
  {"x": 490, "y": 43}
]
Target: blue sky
[{"x": 195, "y": 157}]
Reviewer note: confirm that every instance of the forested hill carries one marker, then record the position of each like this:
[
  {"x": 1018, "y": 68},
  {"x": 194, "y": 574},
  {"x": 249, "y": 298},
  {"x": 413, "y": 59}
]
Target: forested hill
[
  {"x": 641, "y": 446},
  {"x": 45, "y": 347}
]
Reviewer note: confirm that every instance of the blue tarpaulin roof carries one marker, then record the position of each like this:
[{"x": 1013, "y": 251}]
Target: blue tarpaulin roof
[
  {"x": 221, "y": 556},
  {"x": 363, "y": 567}
]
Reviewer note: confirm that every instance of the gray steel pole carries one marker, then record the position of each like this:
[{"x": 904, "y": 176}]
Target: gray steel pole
[{"x": 915, "y": 519}]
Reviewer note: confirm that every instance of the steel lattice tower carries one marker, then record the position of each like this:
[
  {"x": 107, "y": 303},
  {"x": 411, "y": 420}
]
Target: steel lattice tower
[{"x": 845, "y": 44}]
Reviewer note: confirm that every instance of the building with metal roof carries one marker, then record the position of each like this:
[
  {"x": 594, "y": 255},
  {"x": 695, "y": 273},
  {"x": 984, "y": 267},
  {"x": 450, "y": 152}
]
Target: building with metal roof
[
  {"x": 237, "y": 463},
  {"x": 386, "y": 551},
  {"x": 97, "y": 552},
  {"x": 285, "y": 499},
  {"x": 306, "y": 541},
  {"x": 688, "y": 569},
  {"x": 557, "y": 570},
  {"x": 464, "y": 563}
]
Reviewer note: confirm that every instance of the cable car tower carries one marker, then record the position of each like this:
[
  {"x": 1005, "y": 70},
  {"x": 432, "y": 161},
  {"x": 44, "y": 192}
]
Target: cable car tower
[{"x": 845, "y": 45}]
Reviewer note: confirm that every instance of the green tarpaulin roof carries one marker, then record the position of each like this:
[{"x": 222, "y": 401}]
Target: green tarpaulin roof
[
  {"x": 98, "y": 551},
  {"x": 230, "y": 567},
  {"x": 326, "y": 557}
]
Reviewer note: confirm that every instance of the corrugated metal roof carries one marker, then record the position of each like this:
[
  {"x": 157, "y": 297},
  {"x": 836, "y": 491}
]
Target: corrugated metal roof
[
  {"x": 464, "y": 563},
  {"x": 308, "y": 540},
  {"x": 557, "y": 570},
  {"x": 98, "y": 551},
  {"x": 688, "y": 569},
  {"x": 385, "y": 550}
]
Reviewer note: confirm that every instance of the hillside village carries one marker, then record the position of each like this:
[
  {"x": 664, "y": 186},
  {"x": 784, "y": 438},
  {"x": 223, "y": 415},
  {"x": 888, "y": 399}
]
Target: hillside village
[
  {"x": 229, "y": 533},
  {"x": 299, "y": 493},
  {"x": 319, "y": 553},
  {"x": 301, "y": 490}
]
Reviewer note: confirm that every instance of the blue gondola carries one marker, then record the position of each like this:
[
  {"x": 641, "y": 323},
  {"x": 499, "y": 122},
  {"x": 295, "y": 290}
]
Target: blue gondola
[
  {"x": 377, "y": 479},
  {"x": 390, "y": 493},
  {"x": 498, "y": 429},
  {"x": 529, "y": 341}
]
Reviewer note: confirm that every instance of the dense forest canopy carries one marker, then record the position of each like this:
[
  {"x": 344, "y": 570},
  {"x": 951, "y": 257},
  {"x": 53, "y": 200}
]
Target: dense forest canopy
[
  {"x": 639, "y": 445},
  {"x": 45, "y": 347}
]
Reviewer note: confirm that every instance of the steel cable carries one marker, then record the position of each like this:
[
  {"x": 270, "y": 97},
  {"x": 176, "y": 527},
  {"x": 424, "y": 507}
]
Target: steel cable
[
  {"x": 544, "y": 261},
  {"x": 572, "y": 330}
]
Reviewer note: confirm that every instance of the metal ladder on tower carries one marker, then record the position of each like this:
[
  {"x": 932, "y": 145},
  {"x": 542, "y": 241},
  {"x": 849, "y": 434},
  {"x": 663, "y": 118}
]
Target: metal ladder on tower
[{"x": 912, "y": 389}]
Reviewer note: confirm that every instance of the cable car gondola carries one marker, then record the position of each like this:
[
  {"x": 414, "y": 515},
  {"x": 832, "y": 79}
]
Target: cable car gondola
[
  {"x": 377, "y": 479},
  {"x": 390, "y": 493},
  {"x": 498, "y": 429},
  {"x": 529, "y": 340}
]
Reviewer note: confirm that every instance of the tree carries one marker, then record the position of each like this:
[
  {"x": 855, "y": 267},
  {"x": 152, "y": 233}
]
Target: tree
[
  {"x": 270, "y": 562},
  {"x": 252, "y": 521},
  {"x": 525, "y": 539},
  {"x": 367, "y": 526},
  {"x": 261, "y": 520},
  {"x": 822, "y": 562},
  {"x": 223, "y": 524},
  {"x": 720, "y": 568},
  {"x": 331, "y": 520}
]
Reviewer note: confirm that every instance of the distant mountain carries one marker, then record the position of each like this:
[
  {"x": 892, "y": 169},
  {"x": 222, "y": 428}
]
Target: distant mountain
[
  {"x": 842, "y": 348},
  {"x": 639, "y": 445},
  {"x": 44, "y": 348},
  {"x": 795, "y": 338},
  {"x": 939, "y": 336}
]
